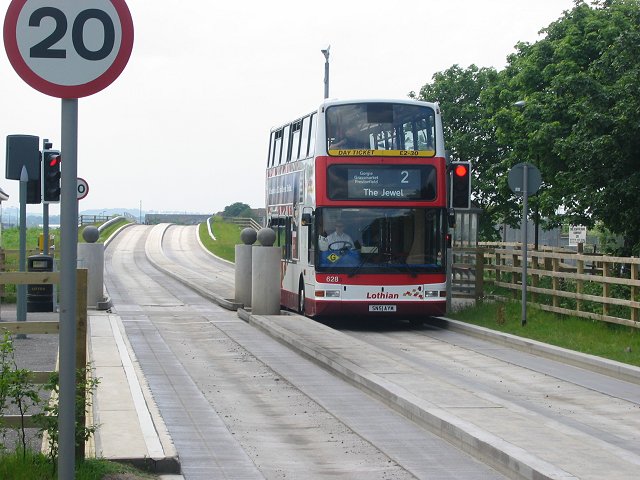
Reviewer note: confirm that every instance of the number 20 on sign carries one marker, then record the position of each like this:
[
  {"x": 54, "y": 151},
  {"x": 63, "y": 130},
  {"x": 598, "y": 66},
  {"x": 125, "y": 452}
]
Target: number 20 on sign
[{"x": 68, "y": 48}]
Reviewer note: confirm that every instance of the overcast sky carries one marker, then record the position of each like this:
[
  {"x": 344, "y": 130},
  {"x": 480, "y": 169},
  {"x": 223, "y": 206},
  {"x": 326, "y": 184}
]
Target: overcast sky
[{"x": 185, "y": 127}]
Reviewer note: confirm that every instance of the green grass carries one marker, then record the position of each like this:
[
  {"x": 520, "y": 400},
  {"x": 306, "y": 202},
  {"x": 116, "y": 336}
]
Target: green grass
[
  {"x": 227, "y": 237},
  {"x": 106, "y": 233},
  {"x": 38, "y": 467},
  {"x": 11, "y": 245},
  {"x": 11, "y": 238},
  {"x": 612, "y": 341},
  {"x": 110, "y": 230}
]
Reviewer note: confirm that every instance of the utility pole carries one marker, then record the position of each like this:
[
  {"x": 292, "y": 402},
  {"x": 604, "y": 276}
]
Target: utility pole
[{"x": 325, "y": 52}]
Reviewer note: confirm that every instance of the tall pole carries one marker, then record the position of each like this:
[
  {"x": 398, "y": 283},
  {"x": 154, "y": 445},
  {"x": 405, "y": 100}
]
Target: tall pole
[
  {"x": 21, "y": 290},
  {"x": 45, "y": 228},
  {"x": 525, "y": 206},
  {"x": 45, "y": 207},
  {"x": 68, "y": 262},
  {"x": 326, "y": 71}
]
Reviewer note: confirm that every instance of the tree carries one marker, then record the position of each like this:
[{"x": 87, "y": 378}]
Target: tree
[
  {"x": 237, "y": 209},
  {"x": 469, "y": 134},
  {"x": 581, "y": 121}
]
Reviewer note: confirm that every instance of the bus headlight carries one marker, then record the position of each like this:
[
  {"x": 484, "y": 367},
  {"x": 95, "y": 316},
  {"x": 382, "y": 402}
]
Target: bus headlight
[{"x": 328, "y": 293}]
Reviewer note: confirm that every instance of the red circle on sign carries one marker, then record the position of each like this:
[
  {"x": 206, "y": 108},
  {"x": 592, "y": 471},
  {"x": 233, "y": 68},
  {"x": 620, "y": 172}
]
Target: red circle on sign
[
  {"x": 68, "y": 91},
  {"x": 81, "y": 182}
]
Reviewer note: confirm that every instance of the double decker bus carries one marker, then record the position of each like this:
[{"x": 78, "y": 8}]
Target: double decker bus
[{"x": 356, "y": 192}]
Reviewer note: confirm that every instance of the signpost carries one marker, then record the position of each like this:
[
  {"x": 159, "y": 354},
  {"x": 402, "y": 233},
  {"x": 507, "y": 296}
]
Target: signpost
[
  {"x": 577, "y": 235},
  {"x": 68, "y": 49},
  {"x": 524, "y": 179}
]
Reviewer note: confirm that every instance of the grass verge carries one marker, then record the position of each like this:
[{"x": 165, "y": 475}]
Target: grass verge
[
  {"x": 607, "y": 340},
  {"x": 105, "y": 233},
  {"x": 227, "y": 237},
  {"x": 38, "y": 466}
]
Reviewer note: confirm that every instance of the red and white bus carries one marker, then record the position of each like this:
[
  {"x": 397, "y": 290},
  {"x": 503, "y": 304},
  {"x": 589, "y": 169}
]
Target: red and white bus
[{"x": 356, "y": 193}]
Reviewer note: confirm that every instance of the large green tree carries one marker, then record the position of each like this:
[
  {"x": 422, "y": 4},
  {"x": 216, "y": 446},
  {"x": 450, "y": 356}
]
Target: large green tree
[
  {"x": 237, "y": 209},
  {"x": 581, "y": 121},
  {"x": 580, "y": 124},
  {"x": 470, "y": 136}
]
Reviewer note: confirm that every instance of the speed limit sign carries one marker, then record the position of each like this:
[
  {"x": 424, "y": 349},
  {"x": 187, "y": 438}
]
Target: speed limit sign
[
  {"x": 83, "y": 188},
  {"x": 68, "y": 48}
]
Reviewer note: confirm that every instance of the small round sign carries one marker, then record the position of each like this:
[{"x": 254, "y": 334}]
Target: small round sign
[
  {"x": 83, "y": 188},
  {"x": 67, "y": 48},
  {"x": 515, "y": 179}
]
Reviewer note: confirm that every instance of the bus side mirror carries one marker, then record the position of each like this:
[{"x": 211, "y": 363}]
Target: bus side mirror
[{"x": 306, "y": 219}]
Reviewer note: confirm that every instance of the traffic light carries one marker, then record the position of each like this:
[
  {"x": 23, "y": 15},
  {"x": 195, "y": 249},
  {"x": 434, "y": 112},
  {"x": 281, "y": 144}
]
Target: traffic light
[
  {"x": 51, "y": 176},
  {"x": 461, "y": 185}
]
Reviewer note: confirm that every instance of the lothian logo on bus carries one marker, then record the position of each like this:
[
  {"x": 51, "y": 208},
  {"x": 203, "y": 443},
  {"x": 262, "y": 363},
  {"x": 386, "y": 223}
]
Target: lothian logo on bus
[{"x": 382, "y": 295}]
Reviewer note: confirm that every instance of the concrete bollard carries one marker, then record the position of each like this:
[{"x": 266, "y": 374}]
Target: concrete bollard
[
  {"x": 243, "y": 266},
  {"x": 265, "y": 266},
  {"x": 91, "y": 257}
]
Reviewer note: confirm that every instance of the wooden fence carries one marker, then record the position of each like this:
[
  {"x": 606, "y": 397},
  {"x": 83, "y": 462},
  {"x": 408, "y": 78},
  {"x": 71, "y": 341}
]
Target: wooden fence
[
  {"x": 49, "y": 327},
  {"x": 594, "y": 286}
]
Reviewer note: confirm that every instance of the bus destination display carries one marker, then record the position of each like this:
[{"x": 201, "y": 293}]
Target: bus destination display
[
  {"x": 375, "y": 182},
  {"x": 383, "y": 183}
]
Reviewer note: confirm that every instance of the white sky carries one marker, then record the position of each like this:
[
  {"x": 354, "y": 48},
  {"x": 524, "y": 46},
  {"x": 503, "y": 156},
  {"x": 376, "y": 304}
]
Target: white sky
[{"x": 185, "y": 127}]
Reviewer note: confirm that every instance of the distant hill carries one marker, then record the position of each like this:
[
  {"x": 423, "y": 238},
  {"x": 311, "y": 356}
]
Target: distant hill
[{"x": 35, "y": 220}]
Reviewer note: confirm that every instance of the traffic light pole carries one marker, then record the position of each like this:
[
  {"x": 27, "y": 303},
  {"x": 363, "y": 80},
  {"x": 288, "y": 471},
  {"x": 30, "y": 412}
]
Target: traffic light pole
[
  {"x": 68, "y": 283},
  {"x": 45, "y": 205},
  {"x": 21, "y": 290},
  {"x": 45, "y": 228}
]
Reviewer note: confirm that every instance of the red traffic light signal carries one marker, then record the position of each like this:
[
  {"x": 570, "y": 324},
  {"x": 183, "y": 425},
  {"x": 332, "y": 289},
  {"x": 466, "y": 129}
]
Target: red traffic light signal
[
  {"x": 55, "y": 160},
  {"x": 461, "y": 185},
  {"x": 461, "y": 170},
  {"x": 51, "y": 176}
]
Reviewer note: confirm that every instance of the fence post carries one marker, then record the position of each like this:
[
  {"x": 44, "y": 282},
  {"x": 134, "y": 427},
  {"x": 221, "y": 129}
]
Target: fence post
[
  {"x": 479, "y": 289},
  {"x": 579, "y": 284},
  {"x": 606, "y": 288},
  {"x": 514, "y": 274},
  {"x": 555, "y": 282},
  {"x": 634, "y": 292},
  {"x": 535, "y": 277}
]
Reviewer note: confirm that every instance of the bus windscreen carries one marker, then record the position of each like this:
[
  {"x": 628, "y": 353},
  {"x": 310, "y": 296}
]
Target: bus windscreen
[{"x": 380, "y": 129}]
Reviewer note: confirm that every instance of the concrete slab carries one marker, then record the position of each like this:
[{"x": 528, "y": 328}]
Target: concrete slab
[
  {"x": 512, "y": 439},
  {"x": 130, "y": 428}
]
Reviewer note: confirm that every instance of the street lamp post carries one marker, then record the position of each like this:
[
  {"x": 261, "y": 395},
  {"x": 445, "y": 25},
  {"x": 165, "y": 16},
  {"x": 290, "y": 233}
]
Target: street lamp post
[{"x": 325, "y": 52}]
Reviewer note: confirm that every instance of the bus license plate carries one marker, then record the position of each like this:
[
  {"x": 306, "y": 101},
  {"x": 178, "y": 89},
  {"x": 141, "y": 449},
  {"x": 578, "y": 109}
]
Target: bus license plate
[{"x": 382, "y": 308}]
